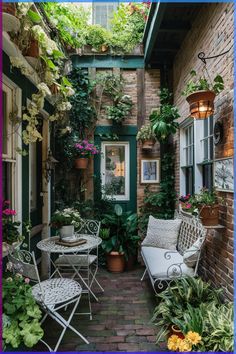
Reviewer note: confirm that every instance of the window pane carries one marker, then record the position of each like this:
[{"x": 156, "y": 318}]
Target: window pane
[
  {"x": 211, "y": 147},
  {"x": 7, "y": 181},
  {"x": 208, "y": 176},
  {"x": 211, "y": 125},
  {"x": 205, "y": 147},
  {"x": 189, "y": 180},
  {"x": 115, "y": 170},
  {"x": 205, "y": 127}
]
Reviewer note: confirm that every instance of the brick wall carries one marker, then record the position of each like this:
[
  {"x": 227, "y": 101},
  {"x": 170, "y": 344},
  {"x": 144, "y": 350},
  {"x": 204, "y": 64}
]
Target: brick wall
[{"x": 212, "y": 33}]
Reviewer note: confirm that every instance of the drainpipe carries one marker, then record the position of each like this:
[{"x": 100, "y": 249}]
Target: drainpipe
[{"x": 45, "y": 260}]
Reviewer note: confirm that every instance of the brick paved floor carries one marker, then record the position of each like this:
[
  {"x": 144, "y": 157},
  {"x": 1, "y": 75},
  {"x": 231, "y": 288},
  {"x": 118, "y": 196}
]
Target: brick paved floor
[{"x": 121, "y": 318}]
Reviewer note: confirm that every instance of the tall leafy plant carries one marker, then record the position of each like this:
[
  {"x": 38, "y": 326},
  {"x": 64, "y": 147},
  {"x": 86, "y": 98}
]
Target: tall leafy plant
[{"x": 164, "y": 121}]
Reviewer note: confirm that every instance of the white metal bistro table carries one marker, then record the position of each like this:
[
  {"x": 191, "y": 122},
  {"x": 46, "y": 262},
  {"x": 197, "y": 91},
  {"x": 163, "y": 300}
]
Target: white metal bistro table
[{"x": 50, "y": 246}]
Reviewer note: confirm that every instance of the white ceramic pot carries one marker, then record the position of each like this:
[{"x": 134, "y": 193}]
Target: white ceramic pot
[{"x": 67, "y": 231}]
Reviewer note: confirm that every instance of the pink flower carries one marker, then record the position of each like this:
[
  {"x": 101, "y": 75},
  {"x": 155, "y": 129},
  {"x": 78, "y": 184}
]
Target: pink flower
[
  {"x": 7, "y": 202},
  {"x": 27, "y": 280},
  {"x": 188, "y": 206},
  {"x": 9, "y": 212}
]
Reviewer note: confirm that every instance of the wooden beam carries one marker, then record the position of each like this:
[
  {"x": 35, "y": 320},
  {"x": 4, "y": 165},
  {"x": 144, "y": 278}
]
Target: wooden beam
[
  {"x": 141, "y": 106},
  {"x": 108, "y": 61},
  {"x": 153, "y": 30}
]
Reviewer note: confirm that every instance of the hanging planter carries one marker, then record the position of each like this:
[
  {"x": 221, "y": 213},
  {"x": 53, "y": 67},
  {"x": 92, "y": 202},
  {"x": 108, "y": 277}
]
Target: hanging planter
[
  {"x": 146, "y": 136},
  {"x": 148, "y": 144},
  {"x": 81, "y": 163},
  {"x": 201, "y": 104}
]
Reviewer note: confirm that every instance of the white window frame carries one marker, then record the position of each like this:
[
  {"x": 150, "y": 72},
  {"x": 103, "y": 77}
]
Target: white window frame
[
  {"x": 126, "y": 144},
  {"x": 15, "y": 141},
  {"x": 207, "y": 138},
  {"x": 97, "y": 5}
]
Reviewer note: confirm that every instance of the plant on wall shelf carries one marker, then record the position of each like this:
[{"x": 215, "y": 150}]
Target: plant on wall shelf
[
  {"x": 98, "y": 37},
  {"x": 146, "y": 136},
  {"x": 164, "y": 121}
]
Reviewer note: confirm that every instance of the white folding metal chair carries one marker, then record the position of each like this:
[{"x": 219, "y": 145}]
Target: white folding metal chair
[
  {"x": 52, "y": 294},
  {"x": 86, "y": 263}
]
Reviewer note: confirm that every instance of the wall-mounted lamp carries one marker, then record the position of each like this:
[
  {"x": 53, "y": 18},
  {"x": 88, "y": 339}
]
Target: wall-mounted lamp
[{"x": 50, "y": 165}]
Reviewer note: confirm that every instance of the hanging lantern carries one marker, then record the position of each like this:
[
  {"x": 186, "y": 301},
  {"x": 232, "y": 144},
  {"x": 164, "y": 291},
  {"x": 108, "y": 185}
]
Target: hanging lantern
[{"x": 201, "y": 104}]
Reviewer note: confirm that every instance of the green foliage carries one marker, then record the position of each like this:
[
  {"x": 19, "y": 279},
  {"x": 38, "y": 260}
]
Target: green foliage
[
  {"x": 194, "y": 84},
  {"x": 184, "y": 299},
  {"x": 21, "y": 314},
  {"x": 120, "y": 110},
  {"x": 68, "y": 216},
  {"x": 146, "y": 133},
  {"x": 162, "y": 204},
  {"x": 70, "y": 21},
  {"x": 122, "y": 232},
  {"x": 97, "y": 36},
  {"x": 164, "y": 122}
]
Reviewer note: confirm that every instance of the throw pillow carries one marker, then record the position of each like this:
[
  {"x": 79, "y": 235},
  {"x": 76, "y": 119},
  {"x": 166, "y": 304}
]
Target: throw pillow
[
  {"x": 162, "y": 233},
  {"x": 190, "y": 256}
]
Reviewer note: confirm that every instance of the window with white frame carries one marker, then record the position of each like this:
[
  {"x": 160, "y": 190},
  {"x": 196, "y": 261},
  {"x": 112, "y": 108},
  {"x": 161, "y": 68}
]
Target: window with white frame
[
  {"x": 102, "y": 13},
  {"x": 115, "y": 169},
  {"x": 188, "y": 159},
  {"x": 208, "y": 153}
]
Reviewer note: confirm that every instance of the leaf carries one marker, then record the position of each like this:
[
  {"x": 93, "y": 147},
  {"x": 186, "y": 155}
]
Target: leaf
[{"x": 34, "y": 16}]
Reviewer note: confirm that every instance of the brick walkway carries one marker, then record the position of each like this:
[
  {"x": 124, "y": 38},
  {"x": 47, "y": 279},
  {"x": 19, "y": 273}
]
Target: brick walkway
[{"x": 121, "y": 318}]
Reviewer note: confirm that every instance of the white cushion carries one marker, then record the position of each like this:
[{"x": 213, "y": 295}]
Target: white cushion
[
  {"x": 158, "y": 265},
  {"x": 191, "y": 254},
  {"x": 162, "y": 233},
  {"x": 77, "y": 260}
]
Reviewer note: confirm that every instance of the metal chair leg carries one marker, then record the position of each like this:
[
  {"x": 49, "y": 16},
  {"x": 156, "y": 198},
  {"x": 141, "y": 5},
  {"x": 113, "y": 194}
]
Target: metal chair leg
[{"x": 144, "y": 274}]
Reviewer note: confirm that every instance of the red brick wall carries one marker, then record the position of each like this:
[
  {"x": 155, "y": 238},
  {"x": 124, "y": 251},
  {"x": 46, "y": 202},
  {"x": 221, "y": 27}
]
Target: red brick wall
[{"x": 212, "y": 33}]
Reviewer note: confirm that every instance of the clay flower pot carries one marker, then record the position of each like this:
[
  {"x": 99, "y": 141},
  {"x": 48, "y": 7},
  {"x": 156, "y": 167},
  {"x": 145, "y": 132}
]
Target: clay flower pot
[
  {"x": 104, "y": 48},
  {"x": 81, "y": 163},
  {"x": 54, "y": 89},
  {"x": 33, "y": 50},
  {"x": 209, "y": 214},
  {"x": 115, "y": 262},
  {"x": 176, "y": 331},
  {"x": 201, "y": 104},
  {"x": 148, "y": 144}
]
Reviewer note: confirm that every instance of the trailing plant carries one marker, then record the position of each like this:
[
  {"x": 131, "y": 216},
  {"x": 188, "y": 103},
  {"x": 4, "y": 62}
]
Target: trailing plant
[
  {"x": 146, "y": 133},
  {"x": 160, "y": 204},
  {"x": 197, "y": 84},
  {"x": 164, "y": 121},
  {"x": 179, "y": 298},
  {"x": 21, "y": 314}
]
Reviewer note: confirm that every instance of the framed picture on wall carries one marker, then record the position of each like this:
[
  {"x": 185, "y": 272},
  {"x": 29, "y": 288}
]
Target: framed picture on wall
[
  {"x": 150, "y": 171},
  {"x": 224, "y": 174}
]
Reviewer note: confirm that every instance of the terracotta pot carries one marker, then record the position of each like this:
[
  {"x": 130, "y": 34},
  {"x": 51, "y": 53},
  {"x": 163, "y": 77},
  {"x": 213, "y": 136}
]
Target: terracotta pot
[
  {"x": 104, "y": 48},
  {"x": 175, "y": 330},
  {"x": 115, "y": 262},
  {"x": 33, "y": 50},
  {"x": 9, "y": 7},
  {"x": 54, "y": 89},
  {"x": 148, "y": 144},
  {"x": 81, "y": 163},
  {"x": 201, "y": 104},
  {"x": 209, "y": 215}
]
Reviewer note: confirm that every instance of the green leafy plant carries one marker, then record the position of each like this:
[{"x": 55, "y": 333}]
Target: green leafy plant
[
  {"x": 68, "y": 216},
  {"x": 177, "y": 299},
  {"x": 97, "y": 37},
  {"x": 164, "y": 121},
  {"x": 123, "y": 232},
  {"x": 194, "y": 84},
  {"x": 10, "y": 228},
  {"x": 21, "y": 314},
  {"x": 146, "y": 133}
]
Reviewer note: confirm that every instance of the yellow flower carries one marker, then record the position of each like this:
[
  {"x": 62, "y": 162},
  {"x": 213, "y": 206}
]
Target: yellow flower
[
  {"x": 185, "y": 346},
  {"x": 173, "y": 342},
  {"x": 193, "y": 337}
]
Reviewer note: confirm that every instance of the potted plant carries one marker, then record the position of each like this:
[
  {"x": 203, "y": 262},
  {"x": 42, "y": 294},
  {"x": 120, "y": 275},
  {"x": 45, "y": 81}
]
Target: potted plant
[
  {"x": 121, "y": 238},
  {"x": 21, "y": 314},
  {"x": 208, "y": 207},
  {"x": 164, "y": 121},
  {"x": 200, "y": 94},
  {"x": 10, "y": 229},
  {"x": 83, "y": 151},
  {"x": 146, "y": 136},
  {"x": 66, "y": 221}
]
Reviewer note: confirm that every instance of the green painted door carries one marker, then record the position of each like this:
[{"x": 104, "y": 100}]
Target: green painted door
[{"x": 116, "y": 167}]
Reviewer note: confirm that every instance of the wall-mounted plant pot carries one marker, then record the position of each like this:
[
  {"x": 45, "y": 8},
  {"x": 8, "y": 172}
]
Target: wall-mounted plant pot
[
  {"x": 148, "y": 144},
  {"x": 81, "y": 163},
  {"x": 10, "y": 23},
  {"x": 33, "y": 49},
  {"x": 209, "y": 214},
  {"x": 115, "y": 262},
  {"x": 201, "y": 104}
]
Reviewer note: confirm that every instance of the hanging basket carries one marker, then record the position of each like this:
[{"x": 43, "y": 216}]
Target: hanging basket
[
  {"x": 81, "y": 163},
  {"x": 148, "y": 144},
  {"x": 201, "y": 104}
]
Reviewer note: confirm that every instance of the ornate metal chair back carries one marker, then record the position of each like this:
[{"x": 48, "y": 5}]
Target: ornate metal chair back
[{"x": 90, "y": 227}]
